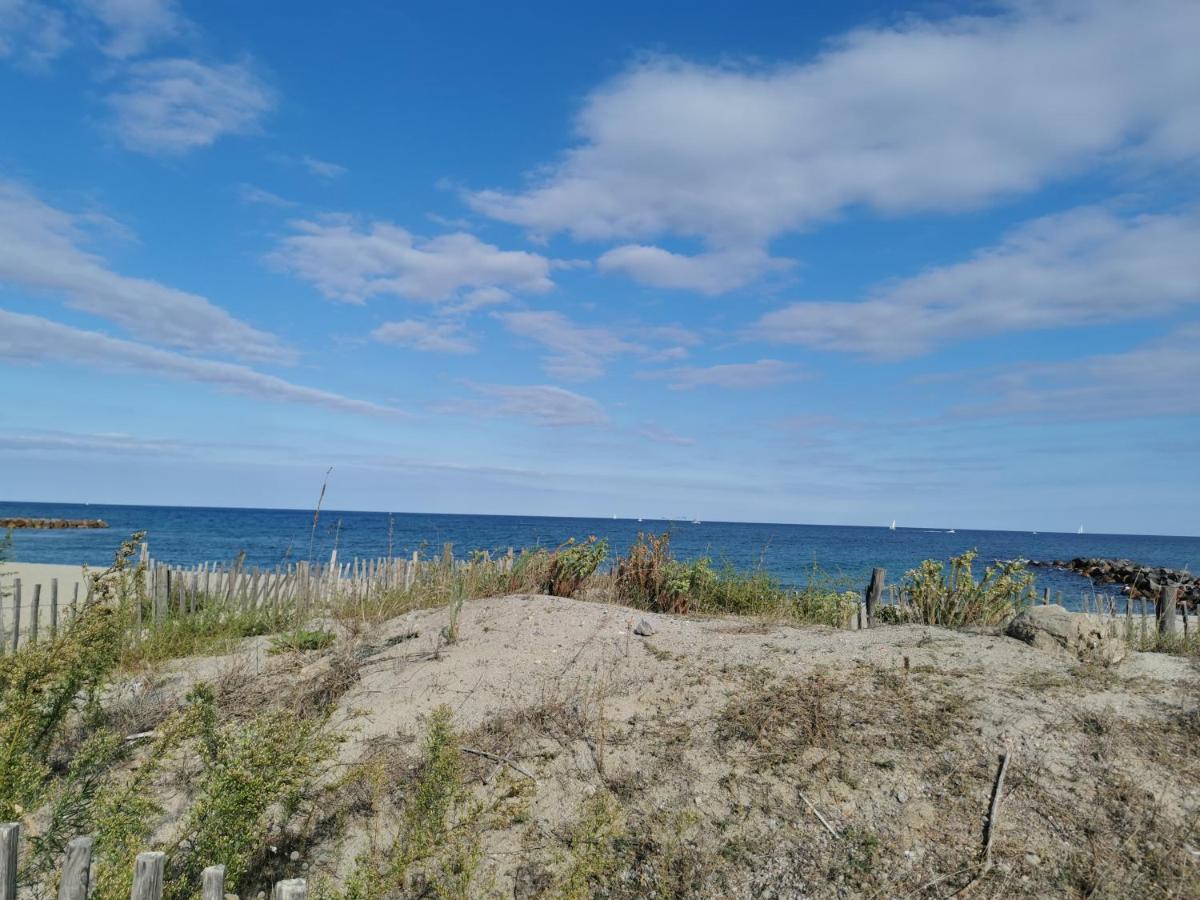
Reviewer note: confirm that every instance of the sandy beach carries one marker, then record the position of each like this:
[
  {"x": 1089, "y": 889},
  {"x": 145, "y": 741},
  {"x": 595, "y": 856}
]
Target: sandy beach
[{"x": 70, "y": 579}]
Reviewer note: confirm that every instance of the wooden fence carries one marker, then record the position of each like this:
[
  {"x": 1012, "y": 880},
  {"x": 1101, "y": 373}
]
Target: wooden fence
[
  {"x": 75, "y": 880},
  {"x": 32, "y": 611}
]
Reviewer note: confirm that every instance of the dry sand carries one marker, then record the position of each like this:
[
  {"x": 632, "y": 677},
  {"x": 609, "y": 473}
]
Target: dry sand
[
  {"x": 715, "y": 735},
  {"x": 69, "y": 579}
]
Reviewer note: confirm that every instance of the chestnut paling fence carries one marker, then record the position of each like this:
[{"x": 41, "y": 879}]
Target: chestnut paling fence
[
  {"x": 148, "y": 868},
  {"x": 29, "y": 611}
]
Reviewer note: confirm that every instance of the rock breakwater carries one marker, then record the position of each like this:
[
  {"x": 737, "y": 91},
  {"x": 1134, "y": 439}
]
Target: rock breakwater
[
  {"x": 52, "y": 523},
  {"x": 1137, "y": 580}
]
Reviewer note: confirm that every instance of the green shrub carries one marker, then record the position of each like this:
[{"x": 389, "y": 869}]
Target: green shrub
[
  {"x": 43, "y": 683},
  {"x": 932, "y": 598},
  {"x": 560, "y": 572}
]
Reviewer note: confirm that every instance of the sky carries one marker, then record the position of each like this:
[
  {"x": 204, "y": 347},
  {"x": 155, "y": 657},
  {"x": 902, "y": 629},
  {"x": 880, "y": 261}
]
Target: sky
[{"x": 830, "y": 263}]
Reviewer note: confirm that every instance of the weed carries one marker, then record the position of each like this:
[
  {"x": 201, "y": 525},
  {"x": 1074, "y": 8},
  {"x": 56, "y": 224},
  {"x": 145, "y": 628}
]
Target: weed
[
  {"x": 593, "y": 847},
  {"x": 301, "y": 640},
  {"x": 934, "y": 599}
]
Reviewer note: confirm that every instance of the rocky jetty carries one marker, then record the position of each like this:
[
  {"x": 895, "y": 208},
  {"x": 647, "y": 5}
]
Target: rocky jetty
[
  {"x": 52, "y": 523},
  {"x": 1137, "y": 580}
]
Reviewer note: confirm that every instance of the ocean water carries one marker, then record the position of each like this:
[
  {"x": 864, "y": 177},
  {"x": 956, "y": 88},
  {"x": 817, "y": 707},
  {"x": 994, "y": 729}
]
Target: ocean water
[{"x": 187, "y": 535}]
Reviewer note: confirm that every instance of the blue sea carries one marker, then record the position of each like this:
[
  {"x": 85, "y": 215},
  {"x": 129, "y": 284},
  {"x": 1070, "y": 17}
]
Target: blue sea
[{"x": 187, "y": 535}]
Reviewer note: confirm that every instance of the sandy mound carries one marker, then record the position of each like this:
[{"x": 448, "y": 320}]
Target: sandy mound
[{"x": 717, "y": 739}]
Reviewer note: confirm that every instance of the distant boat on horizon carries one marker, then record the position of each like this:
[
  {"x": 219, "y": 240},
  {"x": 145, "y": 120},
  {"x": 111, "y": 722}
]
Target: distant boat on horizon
[
  {"x": 1080, "y": 531},
  {"x": 892, "y": 527},
  {"x": 951, "y": 531}
]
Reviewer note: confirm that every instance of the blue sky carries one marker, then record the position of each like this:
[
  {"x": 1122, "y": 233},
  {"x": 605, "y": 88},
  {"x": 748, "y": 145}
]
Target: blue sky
[{"x": 842, "y": 263}]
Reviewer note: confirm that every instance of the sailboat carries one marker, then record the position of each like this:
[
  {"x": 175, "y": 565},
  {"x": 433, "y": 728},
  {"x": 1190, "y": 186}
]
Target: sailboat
[
  {"x": 892, "y": 527},
  {"x": 1080, "y": 531}
]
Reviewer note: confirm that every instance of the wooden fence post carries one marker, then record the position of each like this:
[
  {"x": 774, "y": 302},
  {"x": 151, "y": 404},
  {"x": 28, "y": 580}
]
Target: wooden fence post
[
  {"x": 35, "y": 613},
  {"x": 16, "y": 616},
  {"x": 1165, "y": 611},
  {"x": 76, "y": 876},
  {"x": 1045, "y": 596},
  {"x": 874, "y": 589},
  {"x": 53, "y": 608},
  {"x": 291, "y": 889},
  {"x": 214, "y": 883},
  {"x": 148, "y": 876},
  {"x": 10, "y": 834}
]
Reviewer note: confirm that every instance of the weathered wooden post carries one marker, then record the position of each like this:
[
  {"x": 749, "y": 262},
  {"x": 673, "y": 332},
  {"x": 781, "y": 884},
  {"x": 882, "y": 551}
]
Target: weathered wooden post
[
  {"x": 1128, "y": 617},
  {"x": 214, "y": 883},
  {"x": 53, "y": 608},
  {"x": 148, "y": 876},
  {"x": 874, "y": 590},
  {"x": 291, "y": 889},
  {"x": 76, "y": 875},
  {"x": 10, "y": 834},
  {"x": 1045, "y": 596},
  {"x": 16, "y": 613},
  {"x": 1165, "y": 611},
  {"x": 35, "y": 613}
]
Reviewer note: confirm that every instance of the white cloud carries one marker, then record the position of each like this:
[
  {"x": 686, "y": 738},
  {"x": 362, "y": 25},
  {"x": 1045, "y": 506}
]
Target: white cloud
[
  {"x": 171, "y": 106},
  {"x": 134, "y": 25},
  {"x": 40, "y": 248},
  {"x": 708, "y": 273},
  {"x": 542, "y": 404},
  {"x": 34, "y": 340},
  {"x": 927, "y": 115},
  {"x": 576, "y": 352},
  {"x": 32, "y": 34},
  {"x": 433, "y": 337},
  {"x": 351, "y": 263},
  {"x": 1083, "y": 267},
  {"x": 738, "y": 376},
  {"x": 249, "y": 193},
  {"x": 322, "y": 168},
  {"x": 1157, "y": 378}
]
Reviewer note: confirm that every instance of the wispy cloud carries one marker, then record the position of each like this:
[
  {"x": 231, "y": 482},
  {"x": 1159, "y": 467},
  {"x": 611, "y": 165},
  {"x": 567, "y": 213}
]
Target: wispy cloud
[
  {"x": 34, "y": 340},
  {"x": 575, "y": 352},
  {"x": 132, "y": 26},
  {"x": 736, "y": 376},
  {"x": 433, "y": 337},
  {"x": 1084, "y": 267},
  {"x": 930, "y": 114},
  {"x": 661, "y": 435},
  {"x": 249, "y": 193},
  {"x": 172, "y": 106},
  {"x": 1157, "y": 378},
  {"x": 349, "y": 262},
  {"x": 322, "y": 168},
  {"x": 541, "y": 404},
  {"x": 72, "y": 442},
  {"x": 32, "y": 34},
  {"x": 40, "y": 248}
]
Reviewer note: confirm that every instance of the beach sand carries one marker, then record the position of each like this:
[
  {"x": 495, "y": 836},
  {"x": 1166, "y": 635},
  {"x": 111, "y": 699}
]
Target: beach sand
[{"x": 69, "y": 579}]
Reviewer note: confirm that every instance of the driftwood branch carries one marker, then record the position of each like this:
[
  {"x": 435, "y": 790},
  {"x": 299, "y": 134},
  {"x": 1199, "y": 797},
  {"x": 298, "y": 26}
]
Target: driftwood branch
[
  {"x": 817, "y": 813},
  {"x": 499, "y": 759},
  {"x": 989, "y": 829}
]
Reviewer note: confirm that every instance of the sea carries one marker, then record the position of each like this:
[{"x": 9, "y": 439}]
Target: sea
[{"x": 794, "y": 554}]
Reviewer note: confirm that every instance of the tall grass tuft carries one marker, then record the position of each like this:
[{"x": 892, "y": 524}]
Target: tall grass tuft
[{"x": 650, "y": 577}]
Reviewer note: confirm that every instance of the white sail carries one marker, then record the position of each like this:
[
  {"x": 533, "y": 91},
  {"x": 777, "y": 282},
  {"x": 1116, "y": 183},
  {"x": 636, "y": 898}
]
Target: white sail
[
  {"x": 1080, "y": 531},
  {"x": 892, "y": 527}
]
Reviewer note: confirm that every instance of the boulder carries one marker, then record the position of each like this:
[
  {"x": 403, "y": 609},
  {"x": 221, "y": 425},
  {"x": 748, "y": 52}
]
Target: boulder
[{"x": 1055, "y": 630}]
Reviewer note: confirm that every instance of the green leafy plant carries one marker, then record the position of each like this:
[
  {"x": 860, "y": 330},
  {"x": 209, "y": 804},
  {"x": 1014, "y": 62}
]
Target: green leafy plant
[
  {"x": 934, "y": 597},
  {"x": 43, "y": 683}
]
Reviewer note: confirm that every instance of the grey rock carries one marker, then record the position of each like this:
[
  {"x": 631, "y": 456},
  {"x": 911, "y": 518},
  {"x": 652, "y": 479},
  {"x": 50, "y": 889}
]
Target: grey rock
[{"x": 1055, "y": 630}]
